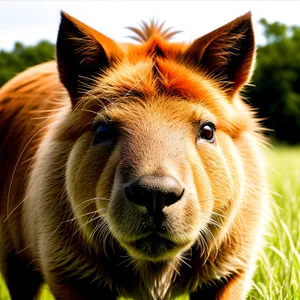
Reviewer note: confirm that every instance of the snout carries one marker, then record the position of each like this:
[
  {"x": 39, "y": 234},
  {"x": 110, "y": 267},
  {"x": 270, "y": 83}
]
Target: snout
[
  {"x": 154, "y": 192},
  {"x": 148, "y": 217}
]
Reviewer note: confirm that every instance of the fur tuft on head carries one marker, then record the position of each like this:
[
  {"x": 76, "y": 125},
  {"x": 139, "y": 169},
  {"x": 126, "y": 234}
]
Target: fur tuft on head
[{"x": 153, "y": 28}]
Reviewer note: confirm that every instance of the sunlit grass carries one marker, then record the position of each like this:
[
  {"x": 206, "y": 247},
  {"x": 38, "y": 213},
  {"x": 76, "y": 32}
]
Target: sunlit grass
[{"x": 278, "y": 272}]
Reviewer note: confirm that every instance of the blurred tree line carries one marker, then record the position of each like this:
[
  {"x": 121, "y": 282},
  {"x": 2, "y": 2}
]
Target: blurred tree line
[
  {"x": 277, "y": 82},
  {"x": 277, "y": 77},
  {"x": 22, "y": 57}
]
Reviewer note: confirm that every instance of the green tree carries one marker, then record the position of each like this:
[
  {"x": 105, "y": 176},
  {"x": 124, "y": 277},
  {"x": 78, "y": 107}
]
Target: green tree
[
  {"x": 22, "y": 57},
  {"x": 277, "y": 81}
]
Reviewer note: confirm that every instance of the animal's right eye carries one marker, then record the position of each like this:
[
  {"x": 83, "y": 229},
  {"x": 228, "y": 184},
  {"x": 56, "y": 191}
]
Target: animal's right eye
[
  {"x": 207, "y": 132},
  {"x": 103, "y": 133}
]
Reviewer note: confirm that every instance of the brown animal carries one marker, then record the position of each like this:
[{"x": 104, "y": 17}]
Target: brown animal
[{"x": 133, "y": 170}]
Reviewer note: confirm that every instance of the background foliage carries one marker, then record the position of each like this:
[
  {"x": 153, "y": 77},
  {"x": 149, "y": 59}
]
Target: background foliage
[
  {"x": 22, "y": 57},
  {"x": 277, "y": 81},
  {"x": 276, "y": 95}
]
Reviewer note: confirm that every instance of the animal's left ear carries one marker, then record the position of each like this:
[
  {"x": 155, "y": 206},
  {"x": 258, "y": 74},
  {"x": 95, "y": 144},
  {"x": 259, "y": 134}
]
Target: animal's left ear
[{"x": 227, "y": 53}]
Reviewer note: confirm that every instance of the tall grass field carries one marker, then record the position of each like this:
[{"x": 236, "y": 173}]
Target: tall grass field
[{"x": 278, "y": 269}]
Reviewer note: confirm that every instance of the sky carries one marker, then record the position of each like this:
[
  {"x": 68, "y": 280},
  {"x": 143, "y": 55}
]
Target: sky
[{"x": 31, "y": 21}]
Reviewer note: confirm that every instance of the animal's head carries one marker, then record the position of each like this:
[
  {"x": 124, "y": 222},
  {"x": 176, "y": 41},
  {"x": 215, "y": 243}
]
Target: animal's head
[{"x": 156, "y": 128}]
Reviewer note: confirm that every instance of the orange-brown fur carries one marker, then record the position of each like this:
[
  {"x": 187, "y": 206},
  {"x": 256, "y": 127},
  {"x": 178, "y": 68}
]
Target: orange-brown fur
[{"x": 64, "y": 217}]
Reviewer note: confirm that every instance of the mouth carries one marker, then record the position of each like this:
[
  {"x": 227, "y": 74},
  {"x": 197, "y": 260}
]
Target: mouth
[{"x": 154, "y": 247}]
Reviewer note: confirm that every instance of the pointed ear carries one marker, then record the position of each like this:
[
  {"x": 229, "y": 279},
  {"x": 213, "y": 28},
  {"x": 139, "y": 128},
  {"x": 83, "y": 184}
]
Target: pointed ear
[
  {"x": 82, "y": 54},
  {"x": 227, "y": 53}
]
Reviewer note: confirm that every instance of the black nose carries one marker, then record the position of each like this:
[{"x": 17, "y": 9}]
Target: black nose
[{"x": 154, "y": 192}]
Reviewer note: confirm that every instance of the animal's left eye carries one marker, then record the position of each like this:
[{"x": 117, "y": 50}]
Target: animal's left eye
[
  {"x": 103, "y": 133},
  {"x": 207, "y": 132}
]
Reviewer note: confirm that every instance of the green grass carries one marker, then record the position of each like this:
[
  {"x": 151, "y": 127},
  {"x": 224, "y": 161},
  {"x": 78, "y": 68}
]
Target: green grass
[{"x": 278, "y": 272}]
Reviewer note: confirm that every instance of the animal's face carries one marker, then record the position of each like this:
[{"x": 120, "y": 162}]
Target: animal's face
[{"x": 154, "y": 161}]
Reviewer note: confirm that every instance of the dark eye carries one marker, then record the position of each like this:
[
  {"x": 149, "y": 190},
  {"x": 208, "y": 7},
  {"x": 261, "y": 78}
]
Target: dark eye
[
  {"x": 103, "y": 133},
  {"x": 207, "y": 132}
]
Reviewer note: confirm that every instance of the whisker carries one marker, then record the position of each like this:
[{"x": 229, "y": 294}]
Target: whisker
[
  {"x": 19, "y": 204},
  {"x": 78, "y": 217},
  {"x": 182, "y": 260},
  {"x": 91, "y": 220},
  {"x": 174, "y": 268},
  {"x": 16, "y": 166},
  {"x": 88, "y": 202}
]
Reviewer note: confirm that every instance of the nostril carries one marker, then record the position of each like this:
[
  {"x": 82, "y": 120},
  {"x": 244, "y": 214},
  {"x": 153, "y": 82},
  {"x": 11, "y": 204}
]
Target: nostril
[
  {"x": 171, "y": 189},
  {"x": 137, "y": 193},
  {"x": 154, "y": 192},
  {"x": 173, "y": 197}
]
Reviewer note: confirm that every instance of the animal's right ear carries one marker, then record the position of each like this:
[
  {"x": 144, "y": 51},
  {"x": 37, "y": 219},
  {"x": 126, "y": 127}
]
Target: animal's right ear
[{"x": 82, "y": 54}]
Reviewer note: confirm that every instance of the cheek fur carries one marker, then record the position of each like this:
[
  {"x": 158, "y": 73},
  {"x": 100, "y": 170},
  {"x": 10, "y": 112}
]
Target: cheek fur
[
  {"x": 235, "y": 168},
  {"x": 84, "y": 168},
  {"x": 200, "y": 182},
  {"x": 75, "y": 160},
  {"x": 106, "y": 178},
  {"x": 218, "y": 174}
]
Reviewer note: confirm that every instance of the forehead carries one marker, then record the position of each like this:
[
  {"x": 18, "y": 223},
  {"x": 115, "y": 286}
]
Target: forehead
[
  {"x": 152, "y": 68},
  {"x": 154, "y": 72},
  {"x": 152, "y": 77}
]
